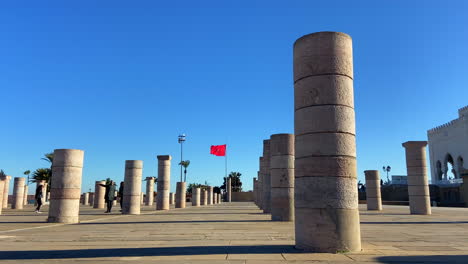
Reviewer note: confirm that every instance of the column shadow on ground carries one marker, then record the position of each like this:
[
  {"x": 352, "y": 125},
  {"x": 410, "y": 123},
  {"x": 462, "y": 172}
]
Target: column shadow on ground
[
  {"x": 145, "y": 252},
  {"x": 176, "y": 222}
]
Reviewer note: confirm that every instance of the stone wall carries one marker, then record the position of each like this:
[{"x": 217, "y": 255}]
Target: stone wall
[{"x": 242, "y": 196}]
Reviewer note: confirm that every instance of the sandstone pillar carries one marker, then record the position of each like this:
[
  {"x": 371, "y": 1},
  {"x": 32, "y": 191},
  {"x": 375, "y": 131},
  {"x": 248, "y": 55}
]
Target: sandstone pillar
[
  {"x": 229, "y": 190},
  {"x": 282, "y": 177},
  {"x": 204, "y": 198},
  {"x": 2, "y": 187},
  {"x": 91, "y": 199},
  {"x": 164, "y": 183},
  {"x": 6, "y": 189},
  {"x": 86, "y": 198},
  {"x": 25, "y": 197},
  {"x": 149, "y": 190},
  {"x": 196, "y": 196},
  {"x": 142, "y": 198},
  {"x": 418, "y": 188},
  {"x": 18, "y": 193},
  {"x": 266, "y": 177},
  {"x": 132, "y": 190},
  {"x": 65, "y": 186},
  {"x": 254, "y": 190},
  {"x": 326, "y": 199},
  {"x": 220, "y": 198},
  {"x": 373, "y": 198},
  {"x": 114, "y": 202},
  {"x": 260, "y": 186},
  {"x": 99, "y": 193},
  {"x": 180, "y": 195},
  {"x": 210, "y": 195},
  {"x": 171, "y": 198}
]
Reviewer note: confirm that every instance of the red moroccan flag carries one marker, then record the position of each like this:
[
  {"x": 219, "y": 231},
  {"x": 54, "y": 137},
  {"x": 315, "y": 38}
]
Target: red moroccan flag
[{"x": 219, "y": 150}]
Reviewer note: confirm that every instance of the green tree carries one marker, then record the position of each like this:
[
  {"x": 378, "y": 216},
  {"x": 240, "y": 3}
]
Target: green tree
[
  {"x": 42, "y": 174},
  {"x": 185, "y": 164},
  {"x": 2, "y": 174},
  {"x": 236, "y": 182}
]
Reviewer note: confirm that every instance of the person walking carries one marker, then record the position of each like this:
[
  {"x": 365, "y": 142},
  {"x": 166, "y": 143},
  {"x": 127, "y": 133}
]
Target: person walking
[
  {"x": 109, "y": 196},
  {"x": 38, "y": 196}
]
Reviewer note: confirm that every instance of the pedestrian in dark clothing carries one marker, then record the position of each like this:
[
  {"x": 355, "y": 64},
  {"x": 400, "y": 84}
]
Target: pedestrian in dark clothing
[
  {"x": 109, "y": 196},
  {"x": 120, "y": 194},
  {"x": 38, "y": 196}
]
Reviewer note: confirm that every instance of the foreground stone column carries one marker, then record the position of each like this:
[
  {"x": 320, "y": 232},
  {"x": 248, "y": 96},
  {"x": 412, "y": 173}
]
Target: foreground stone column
[
  {"x": 132, "y": 187},
  {"x": 326, "y": 199},
  {"x": 99, "y": 193},
  {"x": 65, "y": 186},
  {"x": 149, "y": 190},
  {"x": 418, "y": 187},
  {"x": 164, "y": 183},
  {"x": 266, "y": 177},
  {"x": 6, "y": 189},
  {"x": 210, "y": 195},
  {"x": 204, "y": 198},
  {"x": 18, "y": 193},
  {"x": 373, "y": 198},
  {"x": 282, "y": 177},
  {"x": 180, "y": 195},
  {"x": 86, "y": 198},
  {"x": 25, "y": 197},
  {"x": 229, "y": 190},
  {"x": 196, "y": 196}
]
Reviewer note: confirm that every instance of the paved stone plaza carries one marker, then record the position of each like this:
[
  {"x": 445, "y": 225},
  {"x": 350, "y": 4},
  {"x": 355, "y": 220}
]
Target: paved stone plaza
[{"x": 225, "y": 233}]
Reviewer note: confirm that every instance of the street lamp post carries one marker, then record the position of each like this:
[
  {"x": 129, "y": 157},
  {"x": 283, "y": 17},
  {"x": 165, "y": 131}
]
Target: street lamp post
[
  {"x": 387, "y": 169},
  {"x": 181, "y": 141}
]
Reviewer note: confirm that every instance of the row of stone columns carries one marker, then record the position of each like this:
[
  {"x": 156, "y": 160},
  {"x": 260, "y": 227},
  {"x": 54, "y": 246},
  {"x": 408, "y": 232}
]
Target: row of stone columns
[{"x": 202, "y": 197}]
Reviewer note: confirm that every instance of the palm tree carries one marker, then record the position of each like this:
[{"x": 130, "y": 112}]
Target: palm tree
[
  {"x": 2, "y": 174},
  {"x": 42, "y": 174},
  {"x": 236, "y": 183},
  {"x": 185, "y": 164},
  {"x": 27, "y": 173},
  {"x": 49, "y": 157},
  {"x": 387, "y": 169}
]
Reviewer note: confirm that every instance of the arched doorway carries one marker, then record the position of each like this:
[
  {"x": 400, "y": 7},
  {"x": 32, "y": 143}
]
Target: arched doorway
[{"x": 449, "y": 168}]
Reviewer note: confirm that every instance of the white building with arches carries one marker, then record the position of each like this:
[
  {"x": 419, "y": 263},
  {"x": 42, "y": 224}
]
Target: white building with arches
[{"x": 448, "y": 148}]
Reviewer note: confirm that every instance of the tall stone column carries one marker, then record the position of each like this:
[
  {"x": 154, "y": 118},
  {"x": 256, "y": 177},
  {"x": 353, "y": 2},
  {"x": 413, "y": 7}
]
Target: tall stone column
[
  {"x": 266, "y": 177},
  {"x": 326, "y": 198},
  {"x": 6, "y": 189},
  {"x": 260, "y": 186},
  {"x": 282, "y": 177},
  {"x": 149, "y": 190},
  {"x": 180, "y": 195},
  {"x": 25, "y": 197},
  {"x": 65, "y": 186},
  {"x": 2, "y": 187},
  {"x": 18, "y": 193},
  {"x": 220, "y": 199},
  {"x": 86, "y": 198},
  {"x": 210, "y": 195},
  {"x": 229, "y": 189},
  {"x": 196, "y": 196},
  {"x": 373, "y": 198},
  {"x": 418, "y": 187},
  {"x": 171, "y": 198},
  {"x": 164, "y": 183},
  {"x": 99, "y": 193},
  {"x": 91, "y": 199},
  {"x": 132, "y": 190},
  {"x": 215, "y": 198},
  {"x": 254, "y": 190},
  {"x": 204, "y": 198}
]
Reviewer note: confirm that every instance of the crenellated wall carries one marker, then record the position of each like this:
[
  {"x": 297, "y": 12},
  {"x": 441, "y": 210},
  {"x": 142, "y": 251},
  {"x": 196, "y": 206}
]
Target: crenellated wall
[{"x": 449, "y": 139}]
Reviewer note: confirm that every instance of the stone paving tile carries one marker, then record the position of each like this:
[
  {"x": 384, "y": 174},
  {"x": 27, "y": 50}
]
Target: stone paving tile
[{"x": 227, "y": 233}]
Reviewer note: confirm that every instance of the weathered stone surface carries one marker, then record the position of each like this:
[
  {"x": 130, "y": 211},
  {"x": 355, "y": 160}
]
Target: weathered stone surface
[
  {"x": 132, "y": 190},
  {"x": 210, "y": 195},
  {"x": 164, "y": 179},
  {"x": 99, "y": 193},
  {"x": 229, "y": 190},
  {"x": 196, "y": 195},
  {"x": 65, "y": 186},
  {"x": 266, "y": 177},
  {"x": 6, "y": 189},
  {"x": 180, "y": 195},
  {"x": 18, "y": 193},
  {"x": 149, "y": 191},
  {"x": 374, "y": 200},
  {"x": 326, "y": 201},
  {"x": 418, "y": 189}
]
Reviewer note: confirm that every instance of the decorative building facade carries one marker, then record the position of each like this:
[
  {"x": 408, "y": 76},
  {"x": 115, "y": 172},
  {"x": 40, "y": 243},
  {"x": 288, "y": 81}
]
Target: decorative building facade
[{"x": 448, "y": 148}]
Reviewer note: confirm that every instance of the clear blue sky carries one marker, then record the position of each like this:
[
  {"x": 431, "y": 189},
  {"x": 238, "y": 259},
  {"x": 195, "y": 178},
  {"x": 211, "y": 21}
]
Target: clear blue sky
[{"x": 121, "y": 79}]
